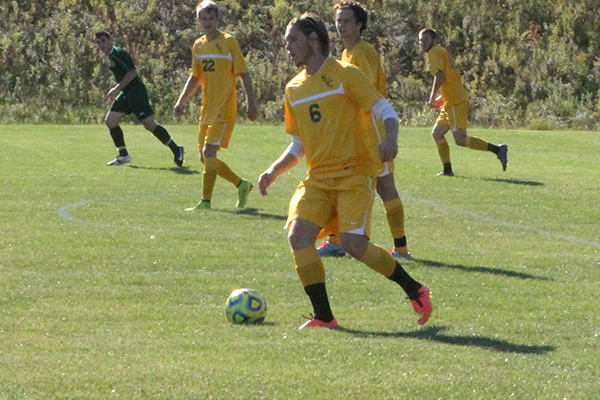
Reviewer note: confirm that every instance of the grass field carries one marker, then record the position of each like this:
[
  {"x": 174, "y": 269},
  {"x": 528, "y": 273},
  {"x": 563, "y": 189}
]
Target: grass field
[{"x": 109, "y": 289}]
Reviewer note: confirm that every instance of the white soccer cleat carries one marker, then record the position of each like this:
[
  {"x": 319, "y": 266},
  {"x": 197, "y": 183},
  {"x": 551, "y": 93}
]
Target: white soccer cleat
[{"x": 120, "y": 160}]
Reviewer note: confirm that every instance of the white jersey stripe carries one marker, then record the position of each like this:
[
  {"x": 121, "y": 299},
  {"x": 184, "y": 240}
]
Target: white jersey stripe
[
  {"x": 339, "y": 90},
  {"x": 201, "y": 56}
]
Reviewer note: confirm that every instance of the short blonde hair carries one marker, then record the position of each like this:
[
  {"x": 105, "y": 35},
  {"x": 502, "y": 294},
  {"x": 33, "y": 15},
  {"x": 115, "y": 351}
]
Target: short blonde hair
[{"x": 208, "y": 6}]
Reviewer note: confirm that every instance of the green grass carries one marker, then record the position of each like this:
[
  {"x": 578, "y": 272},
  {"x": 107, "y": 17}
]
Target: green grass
[{"x": 110, "y": 290}]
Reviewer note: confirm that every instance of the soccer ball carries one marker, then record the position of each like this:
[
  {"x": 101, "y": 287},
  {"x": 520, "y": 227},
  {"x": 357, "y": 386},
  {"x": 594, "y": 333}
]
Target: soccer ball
[{"x": 246, "y": 306}]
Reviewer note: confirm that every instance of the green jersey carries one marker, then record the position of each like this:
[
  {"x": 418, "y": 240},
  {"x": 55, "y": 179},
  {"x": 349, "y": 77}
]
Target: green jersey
[{"x": 120, "y": 63}]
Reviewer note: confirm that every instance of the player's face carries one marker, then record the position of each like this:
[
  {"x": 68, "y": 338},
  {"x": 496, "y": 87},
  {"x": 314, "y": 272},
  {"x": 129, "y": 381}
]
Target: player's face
[
  {"x": 297, "y": 44},
  {"x": 346, "y": 24},
  {"x": 426, "y": 42},
  {"x": 209, "y": 22},
  {"x": 104, "y": 44}
]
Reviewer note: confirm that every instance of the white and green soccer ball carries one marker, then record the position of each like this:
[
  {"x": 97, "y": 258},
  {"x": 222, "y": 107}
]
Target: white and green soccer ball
[{"x": 246, "y": 306}]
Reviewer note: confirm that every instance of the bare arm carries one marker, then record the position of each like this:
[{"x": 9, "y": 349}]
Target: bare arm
[
  {"x": 188, "y": 91},
  {"x": 251, "y": 109},
  {"x": 438, "y": 80},
  {"x": 388, "y": 149},
  {"x": 288, "y": 159},
  {"x": 114, "y": 92}
]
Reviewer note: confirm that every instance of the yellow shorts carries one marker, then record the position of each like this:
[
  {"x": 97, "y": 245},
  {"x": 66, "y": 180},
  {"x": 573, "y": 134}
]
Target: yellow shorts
[
  {"x": 337, "y": 205},
  {"x": 456, "y": 116},
  {"x": 218, "y": 134},
  {"x": 385, "y": 168}
]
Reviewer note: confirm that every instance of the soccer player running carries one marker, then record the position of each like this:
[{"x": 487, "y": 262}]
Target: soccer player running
[
  {"x": 455, "y": 108},
  {"x": 325, "y": 106},
  {"x": 130, "y": 96},
  {"x": 351, "y": 21},
  {"x": 217, "y": 61}
]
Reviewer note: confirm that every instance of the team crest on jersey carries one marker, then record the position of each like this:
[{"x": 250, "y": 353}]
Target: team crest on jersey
[
  {"x": 219, "y": 48},
  {"x": 326, "y": 80}
]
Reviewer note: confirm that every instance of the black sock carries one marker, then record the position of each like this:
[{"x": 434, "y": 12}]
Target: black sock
[
  {"x": 402, "y": 278},
  {"x": 166, "y": 139},
  {"x": 493, "y": 148},
  {"x": 400, "y": 242},
  {"x": 320, "y": 302},
  {"x": 117, "y": 136},
  {"x": 448, "y": 168}
]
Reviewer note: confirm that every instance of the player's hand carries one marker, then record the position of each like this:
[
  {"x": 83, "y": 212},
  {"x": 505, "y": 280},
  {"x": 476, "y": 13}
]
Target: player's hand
[
  {"x": 265, "y": 180},
  {"x": 251, "y": 111},
  {"x": 112, "y": 94},
  {"x": 388, "y": 150},
  {"x": 180, "y": 109}
]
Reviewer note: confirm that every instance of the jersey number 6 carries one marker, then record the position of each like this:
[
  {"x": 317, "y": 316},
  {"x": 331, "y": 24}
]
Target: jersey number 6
[{"x": 315, "y": 115}]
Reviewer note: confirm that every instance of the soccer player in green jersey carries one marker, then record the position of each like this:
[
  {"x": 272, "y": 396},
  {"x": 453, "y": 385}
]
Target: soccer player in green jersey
[
  {"x": 455, "y": 109},
  {"x": 325, "y": 109},
  {"x": 351, "y": 21},
  {"x": 130, "y": 96},
  {"x": 217, "y": 61}
]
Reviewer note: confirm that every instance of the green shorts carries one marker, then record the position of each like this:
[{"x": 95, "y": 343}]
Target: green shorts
[{"x": 133, "y": 100}]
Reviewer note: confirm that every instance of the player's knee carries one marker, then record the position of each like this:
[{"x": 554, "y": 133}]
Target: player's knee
[{"x": 355, "y": 245}]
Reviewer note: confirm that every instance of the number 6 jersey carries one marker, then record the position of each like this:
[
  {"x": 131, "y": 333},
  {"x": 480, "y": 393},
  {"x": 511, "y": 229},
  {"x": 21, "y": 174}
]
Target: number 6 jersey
[
  {"x": 217, "y": 63},
  {"x": 329, "y": 111}
]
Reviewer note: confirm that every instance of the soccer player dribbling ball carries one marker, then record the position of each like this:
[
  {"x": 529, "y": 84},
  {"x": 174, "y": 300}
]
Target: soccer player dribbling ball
[
  {"x": 324, "y": 107},
  {"x": 351, "y": 21},
  {"x": 217, "y": 61},
  {"x": 455, "y": 109},
  {"x": 130, "y": 96}
]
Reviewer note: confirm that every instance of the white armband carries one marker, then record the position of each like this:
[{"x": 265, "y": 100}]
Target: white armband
[
  {"x": 296, "y": 148},
  {"x": 382, "y": 110}
]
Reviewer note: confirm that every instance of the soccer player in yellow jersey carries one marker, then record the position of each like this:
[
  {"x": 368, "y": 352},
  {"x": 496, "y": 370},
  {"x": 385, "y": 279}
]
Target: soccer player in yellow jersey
[
  {"x": 324, "y": 108},
  {"x": 455, "y": 109},
  {"x": 217, "y": 61},
  {"x": 351, "y": 20}
]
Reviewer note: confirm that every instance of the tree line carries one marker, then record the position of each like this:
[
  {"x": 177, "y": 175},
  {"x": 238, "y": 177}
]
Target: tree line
[{"x": 525, "y": 64}]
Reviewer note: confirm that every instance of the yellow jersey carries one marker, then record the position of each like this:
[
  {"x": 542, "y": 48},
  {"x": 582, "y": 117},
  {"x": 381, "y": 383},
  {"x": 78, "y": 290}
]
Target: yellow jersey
[
  {"x": 452, "y": 90},
  {"x": 365, "y": 57},
  {"x": 326, "y": 110},
  {"x": 217, "y": 63}
]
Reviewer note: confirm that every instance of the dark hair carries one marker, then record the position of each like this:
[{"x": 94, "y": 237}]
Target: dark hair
[
  {"x": 309, "y": 23},
  {"x": 360, "y": 13},
  {"x": 101, "y": 34},
  {"x": 428, "y": 31}
]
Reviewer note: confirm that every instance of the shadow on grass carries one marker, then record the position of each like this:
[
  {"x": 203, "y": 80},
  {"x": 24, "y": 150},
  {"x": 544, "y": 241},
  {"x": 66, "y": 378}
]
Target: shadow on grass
[
  {"x": 514, "y": 181},
  {"x": 485, "y": 270},
  {"x": 434, "y": 334},
  {"x": 511, "y": 181},
  {"x": 178, "y": 170},
  {"x": 254, "y": 212}
]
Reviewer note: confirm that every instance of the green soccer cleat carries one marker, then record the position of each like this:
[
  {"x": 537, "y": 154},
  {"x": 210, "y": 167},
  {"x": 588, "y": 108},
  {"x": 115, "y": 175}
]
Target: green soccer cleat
[
  {"x": 202, "y": 205},
  {"x": 244, "y": 189}
]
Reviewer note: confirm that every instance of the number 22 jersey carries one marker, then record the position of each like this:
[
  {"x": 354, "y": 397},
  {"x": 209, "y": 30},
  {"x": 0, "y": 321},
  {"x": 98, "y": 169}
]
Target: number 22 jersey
[{"x": 217, "y": 63}]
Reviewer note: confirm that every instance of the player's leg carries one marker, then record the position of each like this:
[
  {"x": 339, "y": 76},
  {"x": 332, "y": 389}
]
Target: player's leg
[
  {"x": 438, "y": 133},
  {"x": 459, "y": 121},
  {"x": 165, "y": 138},
  {"x": 309, "y": 210},
  {"x": 354, "y": 215},
  {"x": 394, "y": 212},
  {"x": 116, "y": 133}
]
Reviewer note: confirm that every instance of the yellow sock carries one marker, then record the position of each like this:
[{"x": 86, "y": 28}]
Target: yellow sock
[
  {"x": 309, "y": 266},
  {"x": 475, "y": 143},
  {"x": 394, "y": 211},
  {"x": 226, "y": 173},
  {"x": 444, "y": 151},
  {"x": 379, "y": 260},
  {"x": 209, "y": 177}
]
